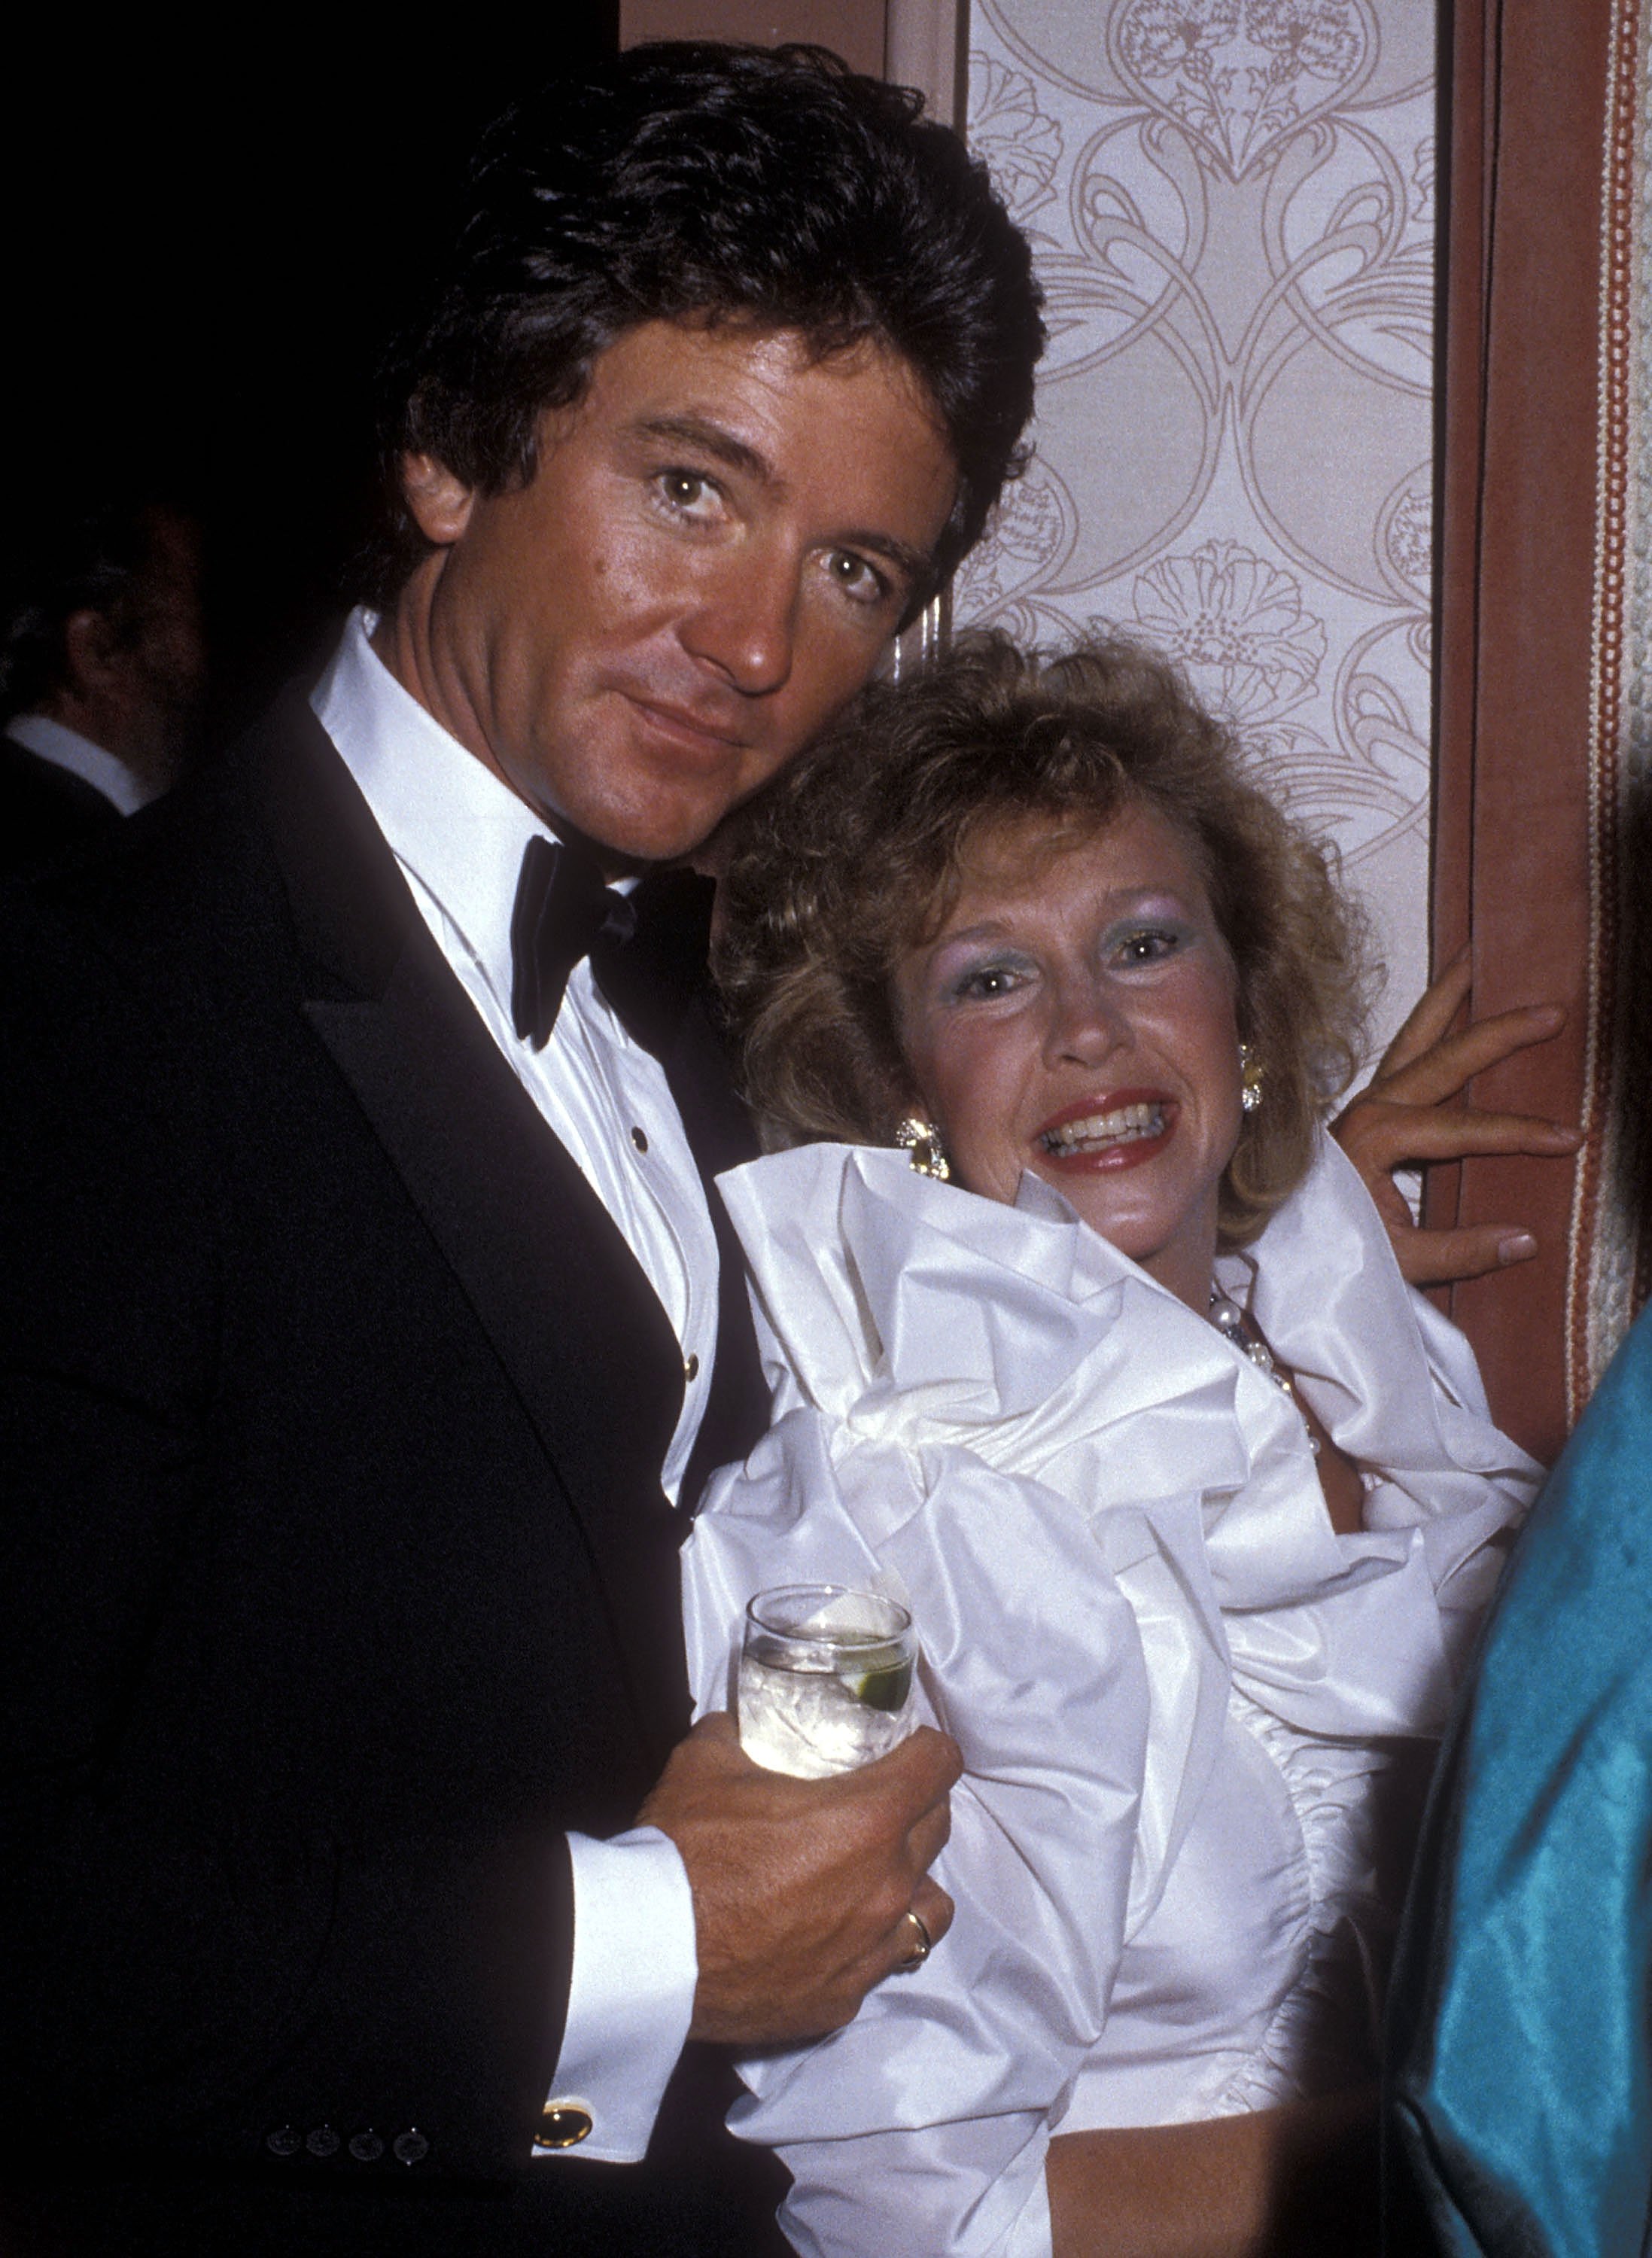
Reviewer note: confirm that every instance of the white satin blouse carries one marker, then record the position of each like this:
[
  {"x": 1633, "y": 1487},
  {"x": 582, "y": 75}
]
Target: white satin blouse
[{"x": 1192, "y": 1715}]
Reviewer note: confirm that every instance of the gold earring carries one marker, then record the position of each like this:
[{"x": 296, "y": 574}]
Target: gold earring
[
  {"x": 1250, "y": 1078},
  {"x": 922, "y": 1141}
]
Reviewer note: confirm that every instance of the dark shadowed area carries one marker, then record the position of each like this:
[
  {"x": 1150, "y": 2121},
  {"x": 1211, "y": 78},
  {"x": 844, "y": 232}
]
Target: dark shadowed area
[{"x": 205, "y": 249}]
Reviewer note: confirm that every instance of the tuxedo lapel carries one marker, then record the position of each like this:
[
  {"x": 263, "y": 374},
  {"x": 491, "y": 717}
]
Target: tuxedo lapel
[
  {"x": 659, "y": 985},
  {"x": 720, "y": 1133},
  {"x": 570, "y": 1313}
]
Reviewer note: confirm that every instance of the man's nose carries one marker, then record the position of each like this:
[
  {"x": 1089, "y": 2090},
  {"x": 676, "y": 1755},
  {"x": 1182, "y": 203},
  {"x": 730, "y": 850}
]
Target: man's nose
[{"x": 745, "y": 625}]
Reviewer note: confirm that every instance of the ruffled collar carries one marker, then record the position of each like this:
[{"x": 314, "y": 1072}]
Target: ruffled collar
[{"x": 913, "y": 1312}]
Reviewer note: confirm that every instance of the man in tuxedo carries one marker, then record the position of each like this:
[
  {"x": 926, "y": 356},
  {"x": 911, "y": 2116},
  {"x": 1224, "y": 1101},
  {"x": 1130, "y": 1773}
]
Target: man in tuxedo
[
  {"x": 103, "y": 672},
  {"x": 368, "y": 1333}
]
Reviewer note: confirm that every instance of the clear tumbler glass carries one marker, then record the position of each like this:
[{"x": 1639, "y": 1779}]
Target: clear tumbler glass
[{"x": 825, "y": 1678}]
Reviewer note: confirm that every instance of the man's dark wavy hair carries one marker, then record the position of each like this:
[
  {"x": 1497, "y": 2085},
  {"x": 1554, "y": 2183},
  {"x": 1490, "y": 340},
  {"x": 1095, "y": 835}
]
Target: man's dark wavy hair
[{"x": 690, "y": 180}]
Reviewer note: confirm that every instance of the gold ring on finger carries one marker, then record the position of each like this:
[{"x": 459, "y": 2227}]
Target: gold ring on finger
[{"x": 923, "y": 1945}]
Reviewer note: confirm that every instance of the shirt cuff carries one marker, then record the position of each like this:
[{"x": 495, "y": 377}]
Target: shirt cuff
[{"x": 631, "y": 1996}]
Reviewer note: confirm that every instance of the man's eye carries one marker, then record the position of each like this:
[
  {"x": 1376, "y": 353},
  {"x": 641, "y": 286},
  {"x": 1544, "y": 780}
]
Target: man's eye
[
  {"x": 856, "y": 578},
  {"x": 691, "y": 491}
]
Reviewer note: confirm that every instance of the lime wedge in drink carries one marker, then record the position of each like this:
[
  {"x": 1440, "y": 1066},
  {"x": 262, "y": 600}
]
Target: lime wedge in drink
[{"x": 885, "y": 1687}]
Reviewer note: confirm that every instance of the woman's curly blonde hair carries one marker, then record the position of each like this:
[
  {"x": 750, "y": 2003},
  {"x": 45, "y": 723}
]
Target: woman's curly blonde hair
[{"x": 853, "y": 858}]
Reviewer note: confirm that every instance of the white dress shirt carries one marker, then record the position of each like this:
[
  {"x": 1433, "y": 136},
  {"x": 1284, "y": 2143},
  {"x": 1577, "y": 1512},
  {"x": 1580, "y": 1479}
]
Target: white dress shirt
[
  {"x": 458, "y": 835},
  {"x": 67, "y": 749}
]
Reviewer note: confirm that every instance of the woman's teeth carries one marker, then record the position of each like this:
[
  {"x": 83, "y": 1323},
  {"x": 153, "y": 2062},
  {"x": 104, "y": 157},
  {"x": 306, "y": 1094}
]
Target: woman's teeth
[{"x": 1126, "y": 1124}]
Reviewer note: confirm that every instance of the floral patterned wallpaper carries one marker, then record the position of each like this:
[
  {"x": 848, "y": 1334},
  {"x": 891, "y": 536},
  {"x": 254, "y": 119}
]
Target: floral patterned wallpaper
[{"x": 1232, "y": 206}]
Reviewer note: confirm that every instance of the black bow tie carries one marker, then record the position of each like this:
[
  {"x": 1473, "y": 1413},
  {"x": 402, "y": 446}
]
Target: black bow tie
[{"x": 647, "y": 949}]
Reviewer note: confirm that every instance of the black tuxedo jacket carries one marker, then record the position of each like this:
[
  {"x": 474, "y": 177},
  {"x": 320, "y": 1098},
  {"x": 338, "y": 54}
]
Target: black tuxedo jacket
[
  {"x": 336, "y": 1579},
  {"x": 44, "y": 808}
]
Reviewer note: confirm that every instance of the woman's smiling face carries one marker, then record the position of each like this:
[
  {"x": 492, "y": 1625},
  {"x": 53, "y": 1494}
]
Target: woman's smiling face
[{"x": 1076, "y": 1015}]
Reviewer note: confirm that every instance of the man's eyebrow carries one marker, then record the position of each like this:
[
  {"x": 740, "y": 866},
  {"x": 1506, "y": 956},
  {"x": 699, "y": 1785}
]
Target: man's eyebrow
[
  {"x": 715, "y": 439},
  {"x": 719, "y": 443}
]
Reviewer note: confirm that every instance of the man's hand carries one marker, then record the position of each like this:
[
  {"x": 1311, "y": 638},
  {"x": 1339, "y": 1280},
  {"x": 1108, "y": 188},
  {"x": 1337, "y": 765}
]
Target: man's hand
[
  {"x": 801, "y": 1886},
  {"x": 1402, "y": 1117}
]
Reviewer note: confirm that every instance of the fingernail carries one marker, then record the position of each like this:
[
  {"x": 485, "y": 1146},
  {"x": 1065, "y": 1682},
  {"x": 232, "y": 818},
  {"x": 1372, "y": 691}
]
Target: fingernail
[{"x": 1519, "y": 1246}]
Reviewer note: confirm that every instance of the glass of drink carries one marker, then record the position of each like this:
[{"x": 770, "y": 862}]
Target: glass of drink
[{"x": 825, "y": 1678}]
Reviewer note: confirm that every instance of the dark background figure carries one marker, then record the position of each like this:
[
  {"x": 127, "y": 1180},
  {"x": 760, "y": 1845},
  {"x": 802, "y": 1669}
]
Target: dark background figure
[
  {"x": 103, "y": 669},
  {"x": 202, "y": 266}
]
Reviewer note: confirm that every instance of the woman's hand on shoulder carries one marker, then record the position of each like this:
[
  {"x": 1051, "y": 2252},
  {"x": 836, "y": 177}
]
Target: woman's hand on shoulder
[{"x": 1406, "y": 1115}]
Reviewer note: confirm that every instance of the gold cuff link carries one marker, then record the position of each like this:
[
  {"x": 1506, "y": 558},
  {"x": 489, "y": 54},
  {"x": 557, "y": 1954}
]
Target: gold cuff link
[{"x": 564, "y": 2124}]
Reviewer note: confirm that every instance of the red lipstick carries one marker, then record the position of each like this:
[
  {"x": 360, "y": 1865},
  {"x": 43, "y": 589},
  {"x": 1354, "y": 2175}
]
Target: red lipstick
[{"x": 1125, "y": 1128}]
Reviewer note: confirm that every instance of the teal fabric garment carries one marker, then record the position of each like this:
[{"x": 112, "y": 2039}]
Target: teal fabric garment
[{"x": 1519, "y": 2122}]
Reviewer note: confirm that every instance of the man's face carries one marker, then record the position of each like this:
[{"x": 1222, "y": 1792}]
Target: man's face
[
  {"x": 718, "y": 544},
  {"x": 170, "y": 655}
]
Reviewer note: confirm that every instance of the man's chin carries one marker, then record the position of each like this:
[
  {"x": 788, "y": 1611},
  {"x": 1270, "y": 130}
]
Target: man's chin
[{"x": 627, "y": 842}]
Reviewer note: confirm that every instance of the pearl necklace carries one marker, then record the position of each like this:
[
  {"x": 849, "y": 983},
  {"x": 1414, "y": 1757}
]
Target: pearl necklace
[{"x": 1231, "y": 1323}]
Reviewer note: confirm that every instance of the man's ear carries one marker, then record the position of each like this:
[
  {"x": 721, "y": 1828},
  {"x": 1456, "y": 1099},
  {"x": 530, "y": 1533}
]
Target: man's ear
[
  {"x": 440, "y": 500},
  {"x": 91, "y": 652}
]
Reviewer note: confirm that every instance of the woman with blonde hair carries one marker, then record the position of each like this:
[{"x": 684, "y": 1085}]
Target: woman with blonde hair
[{"x": 1086, "y": 1339}]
